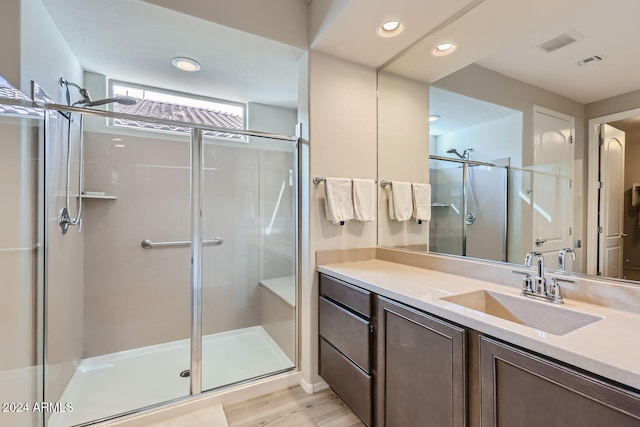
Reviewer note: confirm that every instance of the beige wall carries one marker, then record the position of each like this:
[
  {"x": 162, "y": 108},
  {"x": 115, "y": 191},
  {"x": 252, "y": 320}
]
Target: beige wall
[
  {"x": 339, "y": 141},
  {"x": 403, "y": 152}
]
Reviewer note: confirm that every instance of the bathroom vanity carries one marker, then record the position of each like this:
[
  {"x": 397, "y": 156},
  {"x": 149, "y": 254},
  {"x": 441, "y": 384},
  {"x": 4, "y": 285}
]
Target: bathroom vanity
[{"x": 405, "y": 346}]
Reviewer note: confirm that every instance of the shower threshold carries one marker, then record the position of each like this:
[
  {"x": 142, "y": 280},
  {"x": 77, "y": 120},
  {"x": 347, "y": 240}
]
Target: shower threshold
[{"x": 116, "y": 383}]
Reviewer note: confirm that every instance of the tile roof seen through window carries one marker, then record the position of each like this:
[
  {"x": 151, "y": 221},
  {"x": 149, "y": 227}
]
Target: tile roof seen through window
[{"x": 164, "y": 110}]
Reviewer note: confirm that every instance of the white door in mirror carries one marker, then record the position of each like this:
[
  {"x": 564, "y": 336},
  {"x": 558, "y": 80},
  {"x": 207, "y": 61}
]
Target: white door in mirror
[
  {"x": 552, "y": 182},
  {"x": 611, "y": 202}
]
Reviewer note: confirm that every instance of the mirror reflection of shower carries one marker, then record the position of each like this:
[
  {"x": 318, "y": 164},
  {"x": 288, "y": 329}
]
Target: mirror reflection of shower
[
  {"x": 472, "y": 212},
  {"x": 64, "y": 218}
]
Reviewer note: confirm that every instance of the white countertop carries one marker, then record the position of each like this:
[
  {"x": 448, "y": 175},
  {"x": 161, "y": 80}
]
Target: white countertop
[{"x": 609, "y": 347}]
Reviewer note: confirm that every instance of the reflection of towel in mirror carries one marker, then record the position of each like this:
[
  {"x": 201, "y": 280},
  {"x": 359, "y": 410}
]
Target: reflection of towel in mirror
[
  {"x": 400, "y": 201},
  {"x": 421, "y": 202},
  {"x": 364, "y": 199},
  {"x": 338, "y": 201}
]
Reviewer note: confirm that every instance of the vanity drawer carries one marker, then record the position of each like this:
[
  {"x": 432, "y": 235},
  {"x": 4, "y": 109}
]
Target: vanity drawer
[
  {"x": 347, "y": 380},
  {"x": 347, "y": 332},
  {"x": 350, "y": 296}
]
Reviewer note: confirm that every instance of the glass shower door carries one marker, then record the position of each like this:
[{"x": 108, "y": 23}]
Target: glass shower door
[
  {"x": 446, "y": 228},
  {"x": 248, "y": 281},
  {"x": 118, "y": 288},
  {"x": 21, "y": 266}
]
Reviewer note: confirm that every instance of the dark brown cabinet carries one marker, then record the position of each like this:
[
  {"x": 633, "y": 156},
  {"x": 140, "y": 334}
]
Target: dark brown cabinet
[
  {"x": 421, "y": 369},
  {"x": 430, "y": 372},
  {"x": 345, "y": 344},
  {"x": 522, "y": 389}
]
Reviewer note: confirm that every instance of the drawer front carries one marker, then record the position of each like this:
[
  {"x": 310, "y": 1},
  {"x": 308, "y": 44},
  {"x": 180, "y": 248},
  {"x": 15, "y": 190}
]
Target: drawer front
[
  {"x": 347, "y": 332},
  {"x": 347, "y": 380},
  {"x": 348, "y": 295}
]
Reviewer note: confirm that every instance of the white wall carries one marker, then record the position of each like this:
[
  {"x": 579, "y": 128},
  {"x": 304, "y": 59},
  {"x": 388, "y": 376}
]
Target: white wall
[
  {"x": 267, "y": 118},
  {"x": 341, "y": 142},
  {"x": 45, "y": 56}
]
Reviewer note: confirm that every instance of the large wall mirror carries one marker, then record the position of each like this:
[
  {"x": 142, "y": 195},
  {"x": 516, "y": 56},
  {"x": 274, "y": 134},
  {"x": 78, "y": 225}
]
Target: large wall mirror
[{"x": 534, "y": 139}]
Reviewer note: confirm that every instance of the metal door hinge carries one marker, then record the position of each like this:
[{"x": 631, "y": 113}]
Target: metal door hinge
[
  {"x": 601, "y": 141},
  {"x": 571, "y": 139},
  {"x": 600, "y": 185},
  {"x": 570, "y": 231},
  {"x": 600, "y": 230},
  {"x": 570, "y": 183}
]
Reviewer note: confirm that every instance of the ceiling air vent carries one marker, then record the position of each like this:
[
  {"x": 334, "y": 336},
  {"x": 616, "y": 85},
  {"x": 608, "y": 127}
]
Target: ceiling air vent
[
  {"x": 560, "y": 41},
  {"x": 590, "y": 60}
]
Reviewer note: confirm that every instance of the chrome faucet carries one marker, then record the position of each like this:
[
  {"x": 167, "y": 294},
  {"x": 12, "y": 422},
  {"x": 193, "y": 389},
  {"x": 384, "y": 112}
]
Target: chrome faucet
[
  {"x": 539, "y": 287},
  {"x": 562, "y": 255}
]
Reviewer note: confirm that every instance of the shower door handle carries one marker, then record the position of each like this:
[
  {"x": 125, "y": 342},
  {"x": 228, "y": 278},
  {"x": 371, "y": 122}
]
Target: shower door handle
[{"x": 148, "y": 244}]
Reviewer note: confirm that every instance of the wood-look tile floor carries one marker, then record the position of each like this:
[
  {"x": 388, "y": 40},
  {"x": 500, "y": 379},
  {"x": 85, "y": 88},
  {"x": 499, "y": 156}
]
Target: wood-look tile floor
[{"x": 292, "y": 408}]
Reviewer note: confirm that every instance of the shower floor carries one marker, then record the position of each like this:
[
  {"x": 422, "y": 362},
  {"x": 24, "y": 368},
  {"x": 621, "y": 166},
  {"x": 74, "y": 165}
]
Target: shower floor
[{"x": 114, "y": 383}]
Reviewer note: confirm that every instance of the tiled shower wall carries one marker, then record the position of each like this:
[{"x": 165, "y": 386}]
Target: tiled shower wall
[{"x": 137, "y": 297}]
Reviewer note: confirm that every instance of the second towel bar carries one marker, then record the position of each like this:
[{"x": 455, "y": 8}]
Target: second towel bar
[{"x": 148, "y": 244}]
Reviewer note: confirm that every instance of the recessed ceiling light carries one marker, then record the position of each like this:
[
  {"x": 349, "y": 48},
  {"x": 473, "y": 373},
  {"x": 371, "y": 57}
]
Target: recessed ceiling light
[
  {"x": 444, "y": 49},
  {"x": 391, "y": 28},
  {"x": 185, "y": 64},
  {"x": 119, "y": 145},
  {"x": 116, "y": 139},
  {"x": 433, "y": 117}
]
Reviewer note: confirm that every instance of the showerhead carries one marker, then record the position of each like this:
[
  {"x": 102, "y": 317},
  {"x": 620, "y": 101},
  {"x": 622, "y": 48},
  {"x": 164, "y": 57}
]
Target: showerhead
[
  {"x": 86, "y": 100},
  {"x": 124, "y": 100},
  {"x": 454, "y": 151},
  {"x": 465, "y": 154}
]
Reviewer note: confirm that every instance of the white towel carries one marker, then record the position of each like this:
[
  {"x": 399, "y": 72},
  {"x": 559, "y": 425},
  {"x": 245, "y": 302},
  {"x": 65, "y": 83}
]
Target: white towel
[
  {"x": 400, "y": 202},
  {"x": 338, "y": 201},
  {"x": 364, "y": 199},
  {"x": 421, "y": 202}
]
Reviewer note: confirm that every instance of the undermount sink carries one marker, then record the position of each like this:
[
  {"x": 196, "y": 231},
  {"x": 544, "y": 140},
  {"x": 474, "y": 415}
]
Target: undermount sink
[{"x": 535, "y": 314}]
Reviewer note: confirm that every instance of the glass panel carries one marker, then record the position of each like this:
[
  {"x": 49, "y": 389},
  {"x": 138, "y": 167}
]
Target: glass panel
[
  {"x": 487, "y": 202},
  {"x": 119, "y": 315},
  {"x": 249, "y": 291},
  {"x": 447, "y": 212},
  {"x": 21, "y": 267}
]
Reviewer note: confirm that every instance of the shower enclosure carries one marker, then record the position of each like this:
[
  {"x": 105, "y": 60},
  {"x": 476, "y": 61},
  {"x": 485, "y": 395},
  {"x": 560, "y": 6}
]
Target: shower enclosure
[
  {"x": 179, "y": 276},
  {"x": 469, "y": 207}
]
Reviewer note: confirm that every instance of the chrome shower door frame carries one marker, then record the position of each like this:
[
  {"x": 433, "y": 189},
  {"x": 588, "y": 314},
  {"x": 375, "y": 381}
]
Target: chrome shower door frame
[{"x": 196, "y": 242}]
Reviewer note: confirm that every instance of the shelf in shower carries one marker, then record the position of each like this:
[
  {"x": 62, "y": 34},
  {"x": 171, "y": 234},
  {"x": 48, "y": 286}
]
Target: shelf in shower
[{"x": 440, "y": 205}]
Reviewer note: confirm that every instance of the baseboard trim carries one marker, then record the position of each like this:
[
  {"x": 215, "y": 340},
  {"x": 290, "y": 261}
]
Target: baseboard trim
[{"x": 312, "y": 388}]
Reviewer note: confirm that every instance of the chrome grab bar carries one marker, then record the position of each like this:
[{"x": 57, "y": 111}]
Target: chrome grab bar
[{"x": 148, "y": 244}]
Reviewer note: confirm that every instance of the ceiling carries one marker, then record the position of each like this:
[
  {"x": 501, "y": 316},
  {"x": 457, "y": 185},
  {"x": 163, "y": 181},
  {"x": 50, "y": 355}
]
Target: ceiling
[
  {"x": 503, "y": 35},
  {"x": 460, "y": 112},
  {"x": 249, "y": 49}
]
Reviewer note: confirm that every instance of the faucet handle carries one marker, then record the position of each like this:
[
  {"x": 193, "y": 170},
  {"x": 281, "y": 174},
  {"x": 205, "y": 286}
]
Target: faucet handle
[{"x": 556, "y": 292}]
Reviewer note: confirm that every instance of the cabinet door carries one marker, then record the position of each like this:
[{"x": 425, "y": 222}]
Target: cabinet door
[
  {"x": 521, "y": 389},
  {"x": 421, "y": 369}
]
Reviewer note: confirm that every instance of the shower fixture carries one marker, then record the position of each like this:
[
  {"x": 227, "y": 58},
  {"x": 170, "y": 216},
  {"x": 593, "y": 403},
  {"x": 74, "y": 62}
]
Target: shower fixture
[
  {"x": 471, "y": 214},
  {"x": 86, "y": 100},
  {"x": 65, "y": 219},
  {"x": 466, "y": 154}
]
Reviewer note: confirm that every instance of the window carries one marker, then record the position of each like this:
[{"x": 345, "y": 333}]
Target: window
[{"x": 166, "y": 104}]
